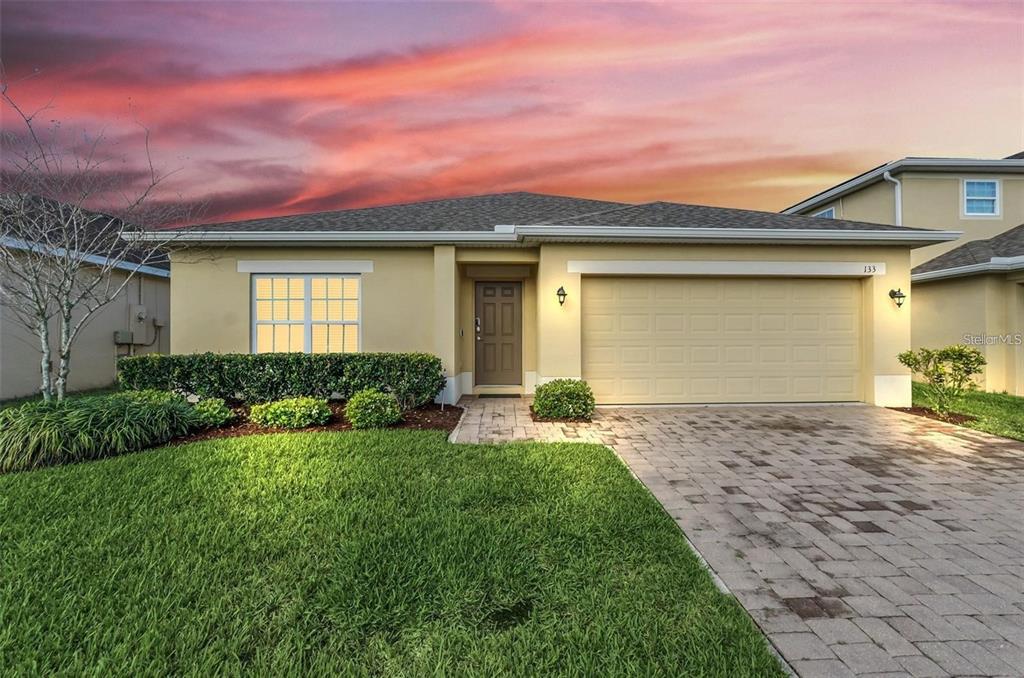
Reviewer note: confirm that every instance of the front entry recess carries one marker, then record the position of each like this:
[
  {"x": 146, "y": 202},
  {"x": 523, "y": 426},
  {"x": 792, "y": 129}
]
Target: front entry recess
[{"x": 498, "y": 327}]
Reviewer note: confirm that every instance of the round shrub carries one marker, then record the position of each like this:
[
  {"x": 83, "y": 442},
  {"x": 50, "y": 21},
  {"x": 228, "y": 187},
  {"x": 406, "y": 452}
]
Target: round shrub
[
  {"x": 370, "y": 408},
  {"x": 564, "y": 399},
  {"x": 291, "y": 413},
  {"x": 43, "y": 433},
  {"x": 212, "y": 413}
]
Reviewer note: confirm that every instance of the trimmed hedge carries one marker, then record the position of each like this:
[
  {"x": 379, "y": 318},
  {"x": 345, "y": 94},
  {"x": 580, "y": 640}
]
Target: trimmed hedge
[
  {"x": 372, "y": 409},
  {"x": 413, "y": 378},
  {"x": 564, "y": 399},
  {"x": 90, "y": 427},
  {"x": 291, "y": 413}
]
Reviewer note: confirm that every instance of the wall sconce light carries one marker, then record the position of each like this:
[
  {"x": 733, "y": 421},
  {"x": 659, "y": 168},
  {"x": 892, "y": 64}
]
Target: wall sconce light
[
  {"x": 562, "y": 294},
  {"x": 898, "y": 296}
]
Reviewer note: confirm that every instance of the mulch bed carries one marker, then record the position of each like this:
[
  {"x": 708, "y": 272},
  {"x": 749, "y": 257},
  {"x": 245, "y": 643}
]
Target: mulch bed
[
  {"x": 427, "y": 417},
  {"x": 952, "y": 418}
]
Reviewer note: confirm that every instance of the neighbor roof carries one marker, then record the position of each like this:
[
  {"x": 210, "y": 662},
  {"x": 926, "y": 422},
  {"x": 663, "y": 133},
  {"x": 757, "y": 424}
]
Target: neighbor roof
[
  {"x": 97, "y": 229},
  {"x": 1004, "y": 252},
  {"x": 1013, "y": 163},
  {"x": 510, "y": 218}
]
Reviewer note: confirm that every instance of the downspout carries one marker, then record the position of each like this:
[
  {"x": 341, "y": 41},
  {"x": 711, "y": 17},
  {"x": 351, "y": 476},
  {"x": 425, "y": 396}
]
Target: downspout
[{"x": 898, "y": 195}]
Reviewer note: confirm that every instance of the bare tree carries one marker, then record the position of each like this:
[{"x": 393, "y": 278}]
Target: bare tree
[{"x": 62, "y": 259}]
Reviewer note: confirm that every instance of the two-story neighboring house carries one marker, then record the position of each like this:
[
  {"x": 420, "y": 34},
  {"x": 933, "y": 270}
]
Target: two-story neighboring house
[{"x": 967, "y": 291}]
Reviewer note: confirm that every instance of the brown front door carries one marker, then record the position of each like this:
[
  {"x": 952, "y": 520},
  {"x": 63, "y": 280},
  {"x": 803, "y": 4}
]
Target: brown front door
[{"x": 499, "y": 333}]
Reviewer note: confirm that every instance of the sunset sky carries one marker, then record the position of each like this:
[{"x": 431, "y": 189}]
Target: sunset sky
[{"x": 282, "y": 107}]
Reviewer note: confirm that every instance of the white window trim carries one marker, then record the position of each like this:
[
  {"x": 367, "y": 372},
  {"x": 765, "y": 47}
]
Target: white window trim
[
  {"x": 297, "y": 267},
  {"x": 825, "y": 211},
  {"x": 997, "y": 214},
  {"x": 307, "y": 311}
]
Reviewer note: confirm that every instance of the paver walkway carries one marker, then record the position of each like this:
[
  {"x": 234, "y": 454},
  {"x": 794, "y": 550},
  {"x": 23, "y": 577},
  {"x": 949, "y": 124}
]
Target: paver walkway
[{"x": 863, "y": 541}]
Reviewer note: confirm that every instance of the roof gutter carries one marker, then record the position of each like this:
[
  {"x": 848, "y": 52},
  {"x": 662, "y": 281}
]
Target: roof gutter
[
  {"x": 897, "y": 195},
  {"x": 530, "y": 233},
  {"x": 95, "y": 259},
  {"x": 994, "y": 265}
]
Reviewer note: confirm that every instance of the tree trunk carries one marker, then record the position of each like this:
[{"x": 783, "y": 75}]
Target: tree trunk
[
  {"x": 64, "y": 367},
  {"x": 43, "y": 332}
]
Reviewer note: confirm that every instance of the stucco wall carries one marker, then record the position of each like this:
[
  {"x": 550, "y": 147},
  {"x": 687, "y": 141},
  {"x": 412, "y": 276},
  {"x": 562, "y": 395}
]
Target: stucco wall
[
  {"x": 946, "y": 311},
  {"x": 422, "y": 299},
  {"x": 934, "y": 200},
  {"x": 210, "y": 307},
  {"x": 874, "y": 204},
  {"x": 93, "y": 359}
]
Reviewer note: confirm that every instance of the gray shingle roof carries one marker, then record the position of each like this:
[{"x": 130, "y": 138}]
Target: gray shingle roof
[
  {"x": 671, "y": 214},
  {"x": 484, "y": 212},
  {"x": 472, "y": 213},
  {"x": 1006, "y": 244}
]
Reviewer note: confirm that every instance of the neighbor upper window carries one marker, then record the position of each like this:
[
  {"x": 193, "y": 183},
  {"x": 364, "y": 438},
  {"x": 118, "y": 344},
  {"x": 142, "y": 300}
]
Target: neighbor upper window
[
  {"x": 830, "y": 213},
  {"x": 305, "y": 313},
  {"x": 981, "y": 197}
]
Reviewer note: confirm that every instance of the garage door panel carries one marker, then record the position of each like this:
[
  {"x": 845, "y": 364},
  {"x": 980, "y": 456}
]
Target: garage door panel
[
  {"x": 705, "y": 322},
  {"x": 677, "y": 340}
]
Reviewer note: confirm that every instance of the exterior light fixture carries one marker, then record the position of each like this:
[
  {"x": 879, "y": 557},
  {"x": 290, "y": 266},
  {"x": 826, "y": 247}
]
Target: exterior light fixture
[
  {"x": 898, "y": 296},
  {"x": 562, "y": 294}
]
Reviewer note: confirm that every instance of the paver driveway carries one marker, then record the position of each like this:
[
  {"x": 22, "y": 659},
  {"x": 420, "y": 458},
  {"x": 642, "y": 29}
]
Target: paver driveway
[{"x": 862, "y": 540}]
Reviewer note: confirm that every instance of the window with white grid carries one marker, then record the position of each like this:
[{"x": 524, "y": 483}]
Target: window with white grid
[
  {"x": 981, "y": 197},
  {"x": 312, "y": 313}
]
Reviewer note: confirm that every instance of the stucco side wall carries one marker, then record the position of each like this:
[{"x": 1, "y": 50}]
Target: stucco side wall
[
  {"x": 210, "y": 307},
  {"x": 933, "y": 200},
  {"x": 886, "y": 328},
  {"x": 936, "y": 201},
  {"x": 94, "y": 355},
  {"x": 989, "y": 307},
  {"x": 875, "y": 204}
]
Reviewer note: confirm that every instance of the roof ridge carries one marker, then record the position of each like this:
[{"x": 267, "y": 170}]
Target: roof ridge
[
  {"x": 621, "y": 206},
  {"x": 406, "y": 203}
]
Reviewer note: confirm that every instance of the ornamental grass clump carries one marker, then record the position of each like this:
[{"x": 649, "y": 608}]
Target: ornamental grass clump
[
  {"x": 43, "y": 433},
  {"x": 291, "y": 413},
  {"x": 564, "y": 399},
  {"x": 372, "y": 409}
]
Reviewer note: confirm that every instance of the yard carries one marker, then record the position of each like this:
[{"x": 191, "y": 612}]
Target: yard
[
  {"x": 996, "y": 413},
  {"x": 388, "y": 552}
]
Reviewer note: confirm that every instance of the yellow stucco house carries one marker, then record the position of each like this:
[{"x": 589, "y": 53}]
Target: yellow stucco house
[
  {"x": 968, "y": 291},
  {"x": 650, "y": 303}
]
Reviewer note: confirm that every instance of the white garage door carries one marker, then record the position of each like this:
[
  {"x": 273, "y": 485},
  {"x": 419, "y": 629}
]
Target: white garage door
[{"x": 708, "y": 340}]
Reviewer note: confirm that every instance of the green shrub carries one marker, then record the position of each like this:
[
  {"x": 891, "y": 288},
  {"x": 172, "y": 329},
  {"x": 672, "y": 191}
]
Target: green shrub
[
  {"x": 212, "y": 413},
  {"x": 564, "y": 399},
  {"x": 948, "y": 373},
  {"x": 413, "y": 378},
  {"x": 372, "y": 409},
  {"x": 291, "y": 413},
  {"x": 91, "y": 427}
]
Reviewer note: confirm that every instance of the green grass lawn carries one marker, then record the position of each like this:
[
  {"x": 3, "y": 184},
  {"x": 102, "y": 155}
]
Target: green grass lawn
[
  {"x": 389, "y": 553},
  {"x": 996, "y": 413}
]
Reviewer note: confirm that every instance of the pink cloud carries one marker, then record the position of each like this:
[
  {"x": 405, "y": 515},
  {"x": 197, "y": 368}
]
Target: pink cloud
[{"x": 751, "y": 105}]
